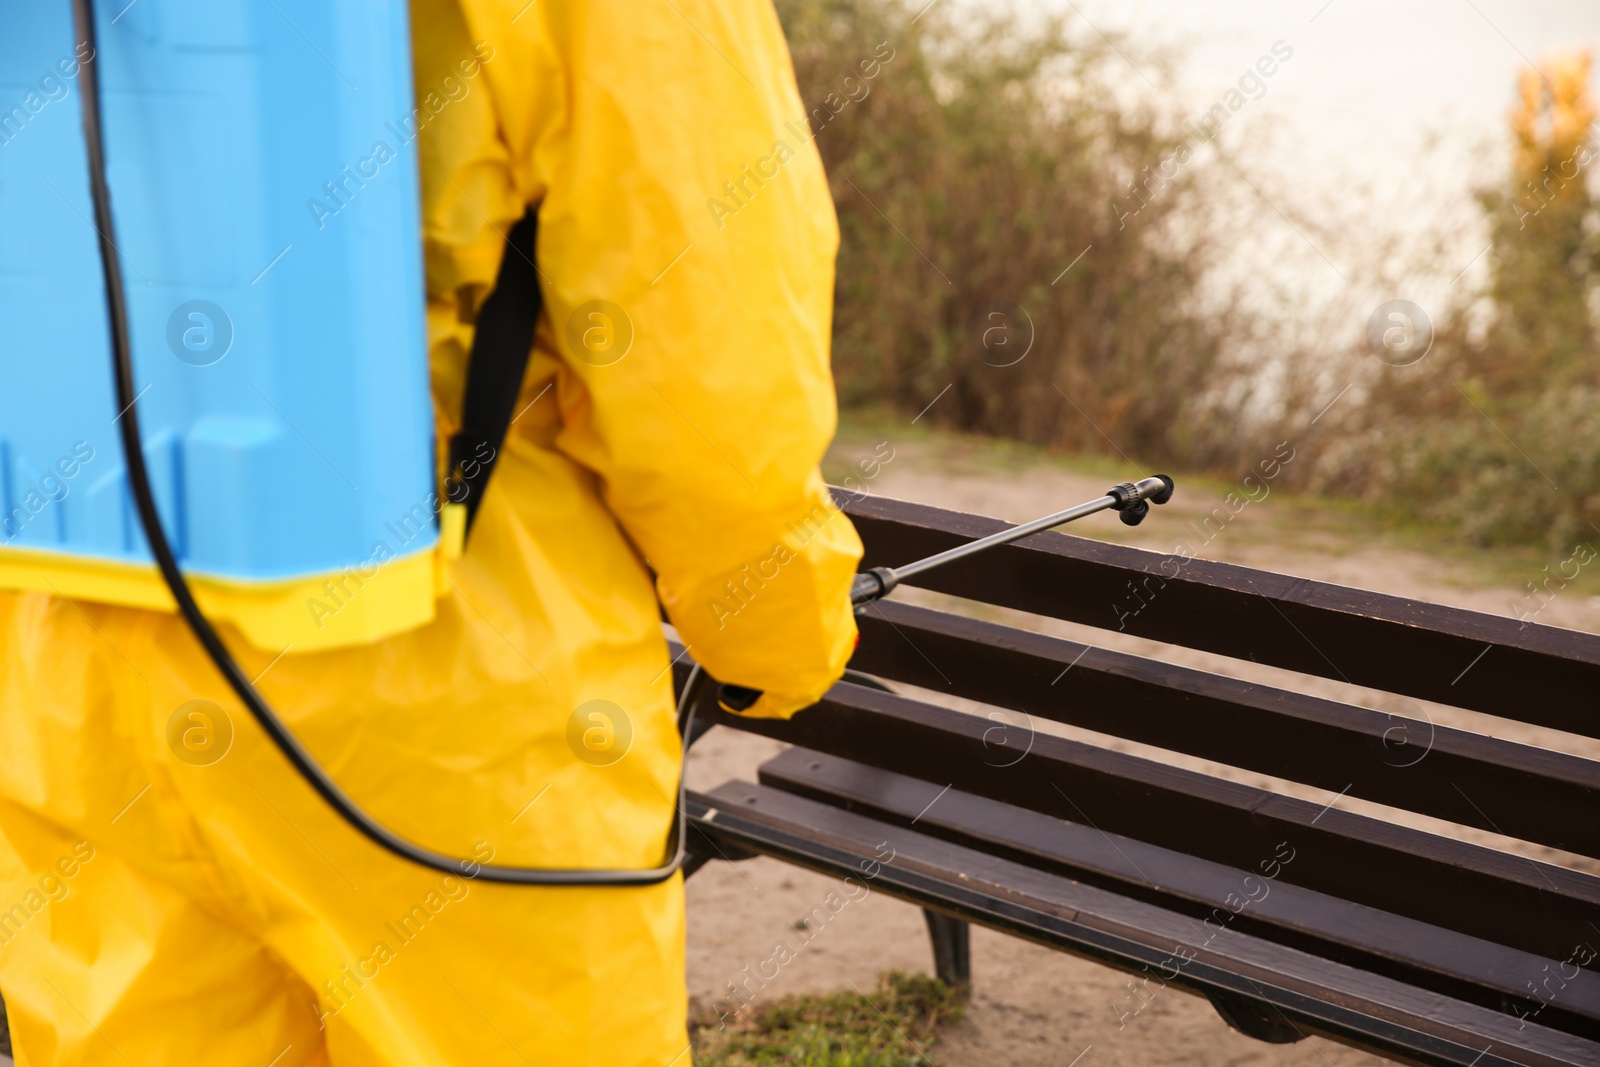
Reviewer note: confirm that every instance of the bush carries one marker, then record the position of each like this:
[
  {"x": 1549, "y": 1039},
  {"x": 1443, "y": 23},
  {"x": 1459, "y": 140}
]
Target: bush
[
  {"x": 1496, "y": 433},
  {"x": 979, "y": 165},
  {"x": 987, "y": 153},
  {"x": 1530, "y": 477}
]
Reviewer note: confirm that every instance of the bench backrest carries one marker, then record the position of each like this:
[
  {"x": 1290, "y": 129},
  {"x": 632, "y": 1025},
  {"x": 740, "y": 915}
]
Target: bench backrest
[{"x": 1497, "y": 665}]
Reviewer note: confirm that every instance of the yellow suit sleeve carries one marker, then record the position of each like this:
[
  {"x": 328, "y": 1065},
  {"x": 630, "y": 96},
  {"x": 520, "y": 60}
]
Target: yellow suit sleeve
[{"x": 686, "y": 252}]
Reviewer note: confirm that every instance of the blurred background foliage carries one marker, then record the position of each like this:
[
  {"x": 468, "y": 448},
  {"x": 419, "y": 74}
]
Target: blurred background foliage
[
  {"x": 991, "y": 152},
  {"x": 984, "y": 161},
  {"x": 1496, "y": 433}
]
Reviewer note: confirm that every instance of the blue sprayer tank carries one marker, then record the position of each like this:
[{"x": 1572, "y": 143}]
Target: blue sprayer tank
[{"x": 264, "y": 187}]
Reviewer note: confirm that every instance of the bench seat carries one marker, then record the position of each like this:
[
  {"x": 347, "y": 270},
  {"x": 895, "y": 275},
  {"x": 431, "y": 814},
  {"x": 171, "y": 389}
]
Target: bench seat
[{"x": 1465, "y": 935}]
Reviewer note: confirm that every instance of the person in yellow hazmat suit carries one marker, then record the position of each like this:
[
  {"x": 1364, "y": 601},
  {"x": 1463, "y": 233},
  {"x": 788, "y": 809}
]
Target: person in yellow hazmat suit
[{"x": 162, "y": 908}]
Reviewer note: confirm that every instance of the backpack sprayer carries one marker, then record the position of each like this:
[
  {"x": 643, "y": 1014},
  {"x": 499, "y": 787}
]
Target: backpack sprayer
[{"x": 1131, "y": 499}]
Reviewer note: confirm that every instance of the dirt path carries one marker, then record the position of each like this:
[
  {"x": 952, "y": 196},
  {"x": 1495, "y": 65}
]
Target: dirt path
[{"x": 1033, "y": 1007}]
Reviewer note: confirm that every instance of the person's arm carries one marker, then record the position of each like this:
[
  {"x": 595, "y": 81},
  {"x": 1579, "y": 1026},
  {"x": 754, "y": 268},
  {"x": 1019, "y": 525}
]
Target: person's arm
[{"x": 686, "y": 247}]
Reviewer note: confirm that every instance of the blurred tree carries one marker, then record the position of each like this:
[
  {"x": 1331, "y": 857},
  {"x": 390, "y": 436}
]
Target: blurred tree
[
  {"x": 983, "y": 158},
  {"x": 1033, "y": 250},
  {"x": 1497, "y": 431},
  {"x": 1544, "y": 239}
]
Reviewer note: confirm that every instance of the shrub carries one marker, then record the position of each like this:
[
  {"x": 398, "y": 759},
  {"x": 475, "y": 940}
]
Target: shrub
[
  {"x": 983, "y": 161},
  {"x": 1496, "y": 433}
]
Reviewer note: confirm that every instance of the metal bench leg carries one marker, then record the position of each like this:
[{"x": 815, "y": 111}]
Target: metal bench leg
[
  {"x": 952, "y": 948},
  {"x": 1255, "y": 1018},
  {"x": 702, "y": 850}
]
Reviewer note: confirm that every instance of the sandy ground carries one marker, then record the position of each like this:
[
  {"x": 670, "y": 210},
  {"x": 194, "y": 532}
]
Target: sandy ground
[{"x": 1033, "y": 1007}]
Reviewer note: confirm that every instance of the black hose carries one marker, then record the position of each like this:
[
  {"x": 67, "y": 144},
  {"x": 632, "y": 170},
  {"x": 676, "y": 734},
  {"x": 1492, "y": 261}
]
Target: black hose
[{"x": 150, "y": 520}]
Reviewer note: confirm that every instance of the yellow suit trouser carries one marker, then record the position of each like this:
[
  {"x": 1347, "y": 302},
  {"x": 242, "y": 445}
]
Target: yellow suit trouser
[
  {"x": 161, "y": 905},
  {"x": 168, "y": 899}
]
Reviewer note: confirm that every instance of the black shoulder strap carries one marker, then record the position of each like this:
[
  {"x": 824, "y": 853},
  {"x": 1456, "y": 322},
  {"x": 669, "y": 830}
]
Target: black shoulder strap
[{"x": 501, "y": 344}]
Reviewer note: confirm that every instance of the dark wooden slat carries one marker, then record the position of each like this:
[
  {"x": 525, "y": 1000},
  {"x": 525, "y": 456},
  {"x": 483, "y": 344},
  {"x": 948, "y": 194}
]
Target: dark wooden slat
[
  {"x": 1457, "y": 965},
  {"x": 1517, "y": 790},
  {"x": 1532, "y": 906},
  {"x": 1313, "y": 994},
  {"x": 1532, "y": 673}
]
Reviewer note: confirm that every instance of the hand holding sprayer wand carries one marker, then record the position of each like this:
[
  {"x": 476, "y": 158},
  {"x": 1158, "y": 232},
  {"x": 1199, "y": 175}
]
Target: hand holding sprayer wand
[{"x": 1131, "y": 499}]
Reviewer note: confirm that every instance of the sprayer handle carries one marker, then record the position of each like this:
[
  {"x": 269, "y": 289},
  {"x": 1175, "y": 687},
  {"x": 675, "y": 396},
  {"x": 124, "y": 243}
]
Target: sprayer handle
[
  {"x": 736, "y": 698},
  {"x": 1132, "y": 499},
  {"x": 867, "y": 587}
]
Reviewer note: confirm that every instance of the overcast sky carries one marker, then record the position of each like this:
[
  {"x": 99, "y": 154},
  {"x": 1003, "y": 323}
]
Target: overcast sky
[
  {"x": 1374, "y": 72},
  {"x": 1369, "y": 82},
  {"x": 1369, "y": 78}
]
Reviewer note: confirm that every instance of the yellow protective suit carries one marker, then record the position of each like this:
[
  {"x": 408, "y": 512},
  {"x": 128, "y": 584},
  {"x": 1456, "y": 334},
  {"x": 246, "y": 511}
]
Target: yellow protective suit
[{"x": 171, "y": 893}]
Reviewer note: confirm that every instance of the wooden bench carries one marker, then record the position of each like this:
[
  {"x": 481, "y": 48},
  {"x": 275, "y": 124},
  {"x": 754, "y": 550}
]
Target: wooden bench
[{"x": 1292, "y": 915}]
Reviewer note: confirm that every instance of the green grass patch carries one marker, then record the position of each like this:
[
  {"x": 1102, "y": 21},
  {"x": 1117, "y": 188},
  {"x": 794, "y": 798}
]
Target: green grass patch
[{"x": 892, "y": 1026}]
